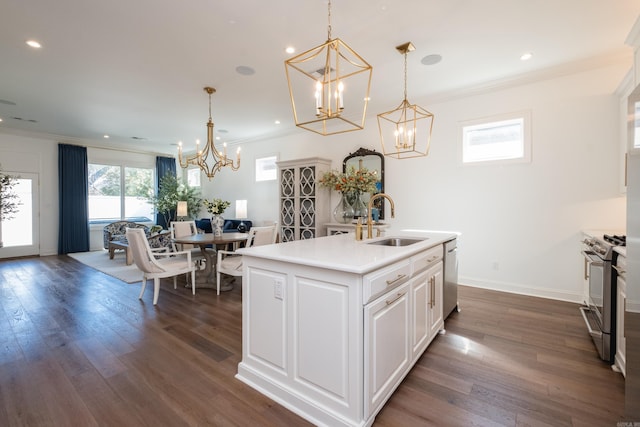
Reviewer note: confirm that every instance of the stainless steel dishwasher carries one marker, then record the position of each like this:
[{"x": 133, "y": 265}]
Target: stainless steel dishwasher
[{"x": 450, "y": 293}]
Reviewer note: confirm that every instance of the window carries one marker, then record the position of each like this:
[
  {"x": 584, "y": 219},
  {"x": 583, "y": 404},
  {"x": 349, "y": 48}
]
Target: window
[
  {"x": 266, "y": 169},
  {"x": 193, "y": 177},
  {"x": 497, "y": 139},
  {"x": 120, "y": 192}
]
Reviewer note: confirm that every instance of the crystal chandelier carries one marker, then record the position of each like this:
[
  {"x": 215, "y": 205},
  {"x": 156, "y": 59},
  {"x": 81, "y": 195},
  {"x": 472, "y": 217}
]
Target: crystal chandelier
[
  {"x": 406, "y": 131},
  {"x": 329, "y": 87},
  {"x": 209, "y": 159}
]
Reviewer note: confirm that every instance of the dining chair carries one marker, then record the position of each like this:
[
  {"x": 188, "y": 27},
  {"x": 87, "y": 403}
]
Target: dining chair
[
  {"x": 230, "y": 263},
  {"x": 158, "y": 265},
  {"x": 183, "y": 229}
]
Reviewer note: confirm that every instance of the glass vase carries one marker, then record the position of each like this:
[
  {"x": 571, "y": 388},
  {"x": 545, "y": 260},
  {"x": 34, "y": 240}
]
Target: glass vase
[
  {"x": 359, "y": 208},
  {"x": 216, "y": 224},
  {"x": 343, "y": 213}
]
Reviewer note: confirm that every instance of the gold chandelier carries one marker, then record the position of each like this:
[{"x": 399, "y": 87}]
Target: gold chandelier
[
  {"x": 209, "y": 159},
  {"x": 406, "y": 131},
  {"x": 329, "y": 87}
]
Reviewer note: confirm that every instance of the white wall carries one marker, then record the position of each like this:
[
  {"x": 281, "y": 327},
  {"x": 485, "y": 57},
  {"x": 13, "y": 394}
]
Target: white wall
[{"x": 520, "y": 223}]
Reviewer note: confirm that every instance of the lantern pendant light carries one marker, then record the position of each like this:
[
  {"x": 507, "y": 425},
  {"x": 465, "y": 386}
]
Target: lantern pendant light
[
  {"x": 405, "y": 131},
  {"x": 329, "y": 87}
]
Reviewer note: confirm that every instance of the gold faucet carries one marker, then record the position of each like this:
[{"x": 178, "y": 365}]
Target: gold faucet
[{"x": 370, "y": 205}]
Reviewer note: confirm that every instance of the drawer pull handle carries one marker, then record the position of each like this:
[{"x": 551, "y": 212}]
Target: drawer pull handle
[
  {"x": 432, "y": 288},
  {"x": 400, "y": 277},
  {"x": 391, "y": 301}
]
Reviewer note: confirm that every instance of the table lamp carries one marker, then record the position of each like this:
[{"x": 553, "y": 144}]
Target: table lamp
[
  {"x": 181, "y": 211},
  {"x": 241, "y": 213}
]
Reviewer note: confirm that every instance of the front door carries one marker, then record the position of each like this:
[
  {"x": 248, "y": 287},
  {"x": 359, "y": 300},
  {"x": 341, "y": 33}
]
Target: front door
[{"x": 20, "y": 235}]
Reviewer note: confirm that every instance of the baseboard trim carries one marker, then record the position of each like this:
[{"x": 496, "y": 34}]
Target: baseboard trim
[{"x": 519, "y": 289}]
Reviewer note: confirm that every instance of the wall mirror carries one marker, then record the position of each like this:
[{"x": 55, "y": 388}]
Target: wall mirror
[{"x": 373, "y": 161}]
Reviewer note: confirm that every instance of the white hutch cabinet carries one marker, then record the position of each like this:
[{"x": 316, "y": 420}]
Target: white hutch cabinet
[{"x": 304, "y": 205}]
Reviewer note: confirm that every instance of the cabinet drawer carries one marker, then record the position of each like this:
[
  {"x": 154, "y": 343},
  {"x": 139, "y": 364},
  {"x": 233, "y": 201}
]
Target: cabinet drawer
[
  {"x": 384, "y": 279},
  {"x": 425, "y": 259}
]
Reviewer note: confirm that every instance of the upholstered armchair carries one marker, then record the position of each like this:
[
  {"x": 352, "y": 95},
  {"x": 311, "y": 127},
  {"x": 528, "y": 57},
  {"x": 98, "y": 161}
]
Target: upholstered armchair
[
  {"x": 161, "y": 242},
  {"x": 116, "y": 231}
]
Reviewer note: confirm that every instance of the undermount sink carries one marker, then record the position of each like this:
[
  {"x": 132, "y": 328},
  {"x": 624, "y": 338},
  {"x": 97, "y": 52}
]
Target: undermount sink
[{"x": 395, "y": 241}]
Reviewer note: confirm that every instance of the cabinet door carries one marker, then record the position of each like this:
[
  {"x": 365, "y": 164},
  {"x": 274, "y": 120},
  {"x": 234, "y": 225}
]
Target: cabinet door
[
  {"x": 420, "y": 316},
  {"x": 307, "y": 202},
  {"x": 288, "y": 204},
  {"x": 621, "y": 344},
  {"x": 387, "y": 331},
  {"x": 303, "y": 206},
  {"x": 436, "y": 322}
]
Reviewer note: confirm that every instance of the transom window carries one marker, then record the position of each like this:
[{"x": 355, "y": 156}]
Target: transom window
[{"x": 497, "y": 139}]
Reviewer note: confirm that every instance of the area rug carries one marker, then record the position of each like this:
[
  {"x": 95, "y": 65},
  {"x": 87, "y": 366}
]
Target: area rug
[{"x": 115, "y": 267}]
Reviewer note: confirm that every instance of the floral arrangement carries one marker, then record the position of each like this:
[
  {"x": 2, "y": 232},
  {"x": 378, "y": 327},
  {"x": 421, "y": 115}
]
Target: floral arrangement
[
  {"x": 352, "y": 181},
  {"x": 216, "y": 206}
]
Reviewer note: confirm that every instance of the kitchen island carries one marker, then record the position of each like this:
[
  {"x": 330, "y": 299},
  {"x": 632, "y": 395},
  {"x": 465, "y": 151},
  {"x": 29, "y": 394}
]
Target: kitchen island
[{"x": 331, "y": 326}]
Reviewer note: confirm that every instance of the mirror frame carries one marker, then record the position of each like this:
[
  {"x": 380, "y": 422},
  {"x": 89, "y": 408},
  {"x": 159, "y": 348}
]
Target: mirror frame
[{"x": 364, "y": 152}]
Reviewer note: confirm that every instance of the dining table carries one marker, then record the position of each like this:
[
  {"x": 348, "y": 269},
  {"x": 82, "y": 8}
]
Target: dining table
[{"x": 209, "y": 243}]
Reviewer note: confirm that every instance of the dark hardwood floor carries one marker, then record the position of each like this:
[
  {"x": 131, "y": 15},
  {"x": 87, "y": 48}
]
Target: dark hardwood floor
[{"x": 77, "y": 348}]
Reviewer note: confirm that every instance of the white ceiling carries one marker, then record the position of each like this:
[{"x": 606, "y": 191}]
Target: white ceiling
[{"x": 136, "y": 69}]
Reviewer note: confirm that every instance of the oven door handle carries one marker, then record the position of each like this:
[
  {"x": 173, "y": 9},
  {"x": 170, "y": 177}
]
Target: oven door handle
[
  {"x": 589, "y": 260},
  {"x": 592, "y": 258}
]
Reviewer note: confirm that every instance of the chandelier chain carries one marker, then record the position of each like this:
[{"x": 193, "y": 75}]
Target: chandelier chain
[
  {"x": 209, "y": 92},
  {"x": 329, "y": 19},
  {"x": 405, "y": 76}
]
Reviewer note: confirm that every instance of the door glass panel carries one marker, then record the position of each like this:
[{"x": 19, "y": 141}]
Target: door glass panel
[{"x": 18, "y": 231}]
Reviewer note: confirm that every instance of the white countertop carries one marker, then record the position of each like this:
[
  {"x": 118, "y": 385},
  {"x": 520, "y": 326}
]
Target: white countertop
[{"x": 344, "y": 253}]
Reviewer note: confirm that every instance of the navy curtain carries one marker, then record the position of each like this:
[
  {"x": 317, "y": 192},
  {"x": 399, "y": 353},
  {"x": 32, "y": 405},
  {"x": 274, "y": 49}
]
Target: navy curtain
[
  {"x": 73, "y": 196},
  {"x": 164, "y": 165}
]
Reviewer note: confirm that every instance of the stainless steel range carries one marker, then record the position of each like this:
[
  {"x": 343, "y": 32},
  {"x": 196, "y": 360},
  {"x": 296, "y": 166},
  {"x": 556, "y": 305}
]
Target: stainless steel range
[{"x": 599, "y": 313}]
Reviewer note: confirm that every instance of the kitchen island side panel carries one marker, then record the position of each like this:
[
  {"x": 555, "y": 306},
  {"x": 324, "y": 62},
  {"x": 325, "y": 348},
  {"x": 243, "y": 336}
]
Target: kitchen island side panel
[{"x": 309, "y": 321}]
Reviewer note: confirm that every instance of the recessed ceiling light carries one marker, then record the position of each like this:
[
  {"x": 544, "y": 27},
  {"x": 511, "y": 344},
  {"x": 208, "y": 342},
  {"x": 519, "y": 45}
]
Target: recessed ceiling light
[
  {"x": 0, "y": 119},
  {"x": 244, "y": 70},
  {"x": 277, "y": 122},
  {"x": 431, "y": 59},
  {"x": 106, "y": 136},
  {"x": 34, "y": 44},
  {"x": 526, "y": 56},
  {"x": 290, "y": 49}
]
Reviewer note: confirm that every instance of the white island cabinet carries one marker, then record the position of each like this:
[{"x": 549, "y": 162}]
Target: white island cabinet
[{"x": 332, "y": 325}]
